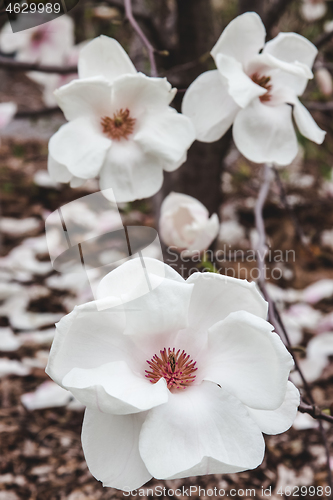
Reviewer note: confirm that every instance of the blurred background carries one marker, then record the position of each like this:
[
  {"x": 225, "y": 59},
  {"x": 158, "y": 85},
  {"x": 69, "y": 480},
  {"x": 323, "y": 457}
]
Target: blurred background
[{"x": 41, "y": 456}]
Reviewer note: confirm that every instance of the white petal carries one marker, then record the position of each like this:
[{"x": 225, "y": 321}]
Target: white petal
[
  {"x": 306, "y": 124},
  {"x": 201, "y": 430},
  {"x": 140, "y": 93},
  {"x": 8, "y": 340},
  {"x": 110, "y": 445},
  {"x": 280, "y": 420},
  {"x": 156, "y": 304},
  {"x": 208, "y": 104},
  {"x": 240, "y": 87},
  {"x": 248, "y": 360},
  {"x": 215, "y": 296},
  {"x": 87, "y": 338},
  {"x": 7, "y": 112},
  {"x": 80, "y": 146},
  {"x": 104, "y": 56},
  {"x": 313, "y": 11},
  {"x": 90, "y": 97},
  {"x": 114, "y": 388},
  {"x": 206, "y": 233},
  {"x": 322, "y": 289},
  {"x": 57, "y": 171},
  {"x": 242, "y": 39},
  {"x": 291, "y": 47},
  {"x": 266, "y": 133},
  {"x": 47, "y": 395},
  {"x": 130, "y": 172},
  {"x": 77, "y": 182},
  {"x": 166, "y": 134}
]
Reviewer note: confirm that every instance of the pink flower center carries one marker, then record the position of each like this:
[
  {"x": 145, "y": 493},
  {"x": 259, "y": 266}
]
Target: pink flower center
[
  {"x": 263, "y": 81},
  {"x": 176, "y": 367},
  {"x": 120, "y": 126}
]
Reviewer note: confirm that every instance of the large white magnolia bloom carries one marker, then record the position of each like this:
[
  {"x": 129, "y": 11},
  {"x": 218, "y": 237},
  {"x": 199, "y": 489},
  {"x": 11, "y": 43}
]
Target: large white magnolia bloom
[
  {"x": 185, "y": 224},
  {"x": 120, "y": 128},
  {"x": 179, "y": 381},
  {"x": 255, "y": 91}
]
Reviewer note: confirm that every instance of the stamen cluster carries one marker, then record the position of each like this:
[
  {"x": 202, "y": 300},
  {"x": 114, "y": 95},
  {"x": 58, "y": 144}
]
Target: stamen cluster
[
  {"x": 263, "y": 81},
  {"x": 176, "y": 368},
  {"x": 120, "y": 126}
]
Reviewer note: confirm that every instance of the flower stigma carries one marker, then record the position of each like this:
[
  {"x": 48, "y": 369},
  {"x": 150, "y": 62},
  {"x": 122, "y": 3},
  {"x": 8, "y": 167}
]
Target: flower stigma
[
  {"x": 263, "y": 81},
  {"x": 176, "y": 368},
  {"x": 120, "y": 126}
]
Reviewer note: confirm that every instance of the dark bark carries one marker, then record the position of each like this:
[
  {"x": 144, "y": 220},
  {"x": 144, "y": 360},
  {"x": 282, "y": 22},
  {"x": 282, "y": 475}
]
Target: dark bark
[
  {"x": 200, "y": 175},
  {"x": 251, "y": 6}
]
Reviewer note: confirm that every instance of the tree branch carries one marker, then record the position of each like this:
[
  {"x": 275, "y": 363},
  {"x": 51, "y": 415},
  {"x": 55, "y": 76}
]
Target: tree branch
[
  {"x": 8, "y": 63},
  {"x": 323, "y": 39},
  {"x": 142, "y": 36},
  {"x": 274, "y": 317},
  {"x": 315, "y": 413}
]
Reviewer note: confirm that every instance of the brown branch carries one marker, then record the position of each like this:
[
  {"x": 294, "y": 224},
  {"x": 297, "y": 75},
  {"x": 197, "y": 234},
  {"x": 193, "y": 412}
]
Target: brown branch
[
  {"x": 9, "y": 63},
  {"x": 315, "y": 412},
  {"x": 142, "y": 36},
  {"x": 274, "y": 317},
  {"x": 323, "y": 39},
  {"x": 35, "y": 113}
]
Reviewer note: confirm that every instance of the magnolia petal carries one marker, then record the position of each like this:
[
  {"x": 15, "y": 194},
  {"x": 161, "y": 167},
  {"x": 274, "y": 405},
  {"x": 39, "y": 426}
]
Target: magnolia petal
[
  {"x": 242, "y": 39},
  {"x": 88, "y": 338},
  {"x": 76, "y": 182},
  {"x": 215, "y": 296},
  {"x": 208, "y": 104},
  {"x": 166, "y": 134},
  {"x": 306, "y": 124},
  {"x": 114, "y": 388},
  {"x": 280, "y": 420},
  {"x": 240, "y": 87},
  {"x": 266, "y": 133},
  {"x": 132, "y": 173},
  {"x": 80, "y": 146},
  {"x": 247, "y": 359},
  {"x": 7, "y": 112},
  {"x": 140, "y": 93},
  {"x": 110, "y": 445},
  {"x": 105, "y": 57},
  {"x": 202, "y": 430},
  {"x": 206, "y": 234},
  {"x": 90, "y": 97},
  {"x": 155, "y": 287},
  {"x": 291, "y": 48},
  {"x": 57, "y": 171}
]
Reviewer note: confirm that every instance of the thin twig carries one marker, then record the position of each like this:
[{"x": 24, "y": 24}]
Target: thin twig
[
  {"x": 284, "y": 199},
  {"x": 315, "y": 412},
  {"x": 140, "y": 33},
  {"x": 35, "y": 113},
  {"x": 323, "y": 39},
  {"x": 9, "y": 63},
  {"x": 274, "y": 318}
]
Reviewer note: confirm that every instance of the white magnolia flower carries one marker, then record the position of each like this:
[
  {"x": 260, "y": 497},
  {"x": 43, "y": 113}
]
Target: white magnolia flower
[
  {"x": 312, "y": 10},
  {"x": 48, "y": 43},
  {"x": 120, "y": 128},
  {"x": 185, "y": 224},
  {"x": 180, "y": 381},
  {"x": 256, "y": 92}
]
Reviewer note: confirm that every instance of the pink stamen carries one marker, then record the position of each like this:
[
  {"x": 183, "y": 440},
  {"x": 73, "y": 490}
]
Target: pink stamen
[{"x": 175, "y": 367}]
